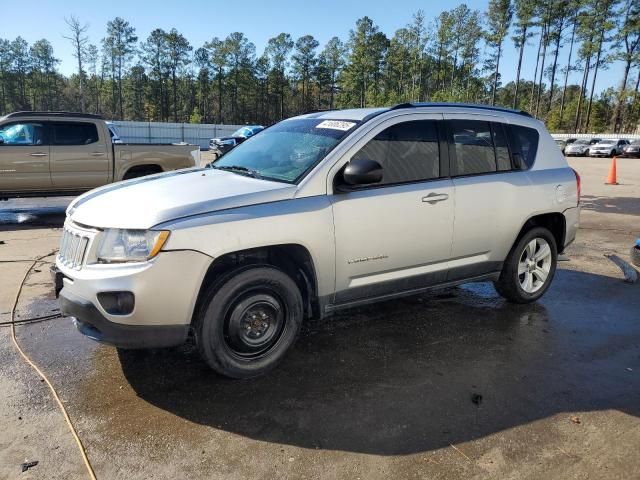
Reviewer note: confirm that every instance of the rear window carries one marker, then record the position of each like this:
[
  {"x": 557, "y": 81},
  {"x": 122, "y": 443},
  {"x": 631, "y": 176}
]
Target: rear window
[
  {"x": 524, "y": 146},
  {"x": 74, "y": 133}
]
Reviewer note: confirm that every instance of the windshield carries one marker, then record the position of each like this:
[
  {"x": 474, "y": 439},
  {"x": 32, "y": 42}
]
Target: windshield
[
  {"x": 287, "y": 150},
  {"x": 607, "y": 142},
  {"x": 246, "y": 131},
  {"x": 581, "y": 142}
]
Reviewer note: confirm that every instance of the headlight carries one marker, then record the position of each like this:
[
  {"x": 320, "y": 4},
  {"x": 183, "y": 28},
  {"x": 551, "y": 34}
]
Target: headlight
[{"x": 117, "y": 245}]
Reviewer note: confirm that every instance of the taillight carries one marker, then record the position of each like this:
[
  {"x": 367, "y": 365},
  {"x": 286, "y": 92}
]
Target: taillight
[{"x": 577, "y": 183}]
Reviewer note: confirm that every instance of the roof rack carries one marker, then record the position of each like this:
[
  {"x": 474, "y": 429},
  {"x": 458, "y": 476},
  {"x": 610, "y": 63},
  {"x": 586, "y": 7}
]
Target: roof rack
[
  {"x": 453, "y": 104},
  {"x": 53, "y": 114}
]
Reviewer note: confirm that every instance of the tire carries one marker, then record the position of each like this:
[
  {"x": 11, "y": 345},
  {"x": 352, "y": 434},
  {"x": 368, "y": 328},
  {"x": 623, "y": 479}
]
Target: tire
[
  {"x": 527, "y": 286},
  {"x": 248, "y": 321},
  {"x": 635, "y": 256},
  {"x": 138, "y": 173}
]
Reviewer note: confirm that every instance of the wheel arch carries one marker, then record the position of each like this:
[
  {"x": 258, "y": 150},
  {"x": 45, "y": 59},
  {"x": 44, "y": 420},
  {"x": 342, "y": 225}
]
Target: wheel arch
[
  {"x": 147, "y": 168},
  {"x": 555, "y": 222},
  {"x": 293, "y": 259}
]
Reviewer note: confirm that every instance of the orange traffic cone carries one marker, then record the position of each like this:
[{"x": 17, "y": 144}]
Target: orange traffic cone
[{"x": 612, "y": 178}]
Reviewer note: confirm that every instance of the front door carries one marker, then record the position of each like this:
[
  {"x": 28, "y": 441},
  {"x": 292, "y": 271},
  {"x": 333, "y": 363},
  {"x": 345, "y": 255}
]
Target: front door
[
  {"x": 79, "y": 157},
  {"x": 396, "y": 235},
  {"x": 24, "y": 157}
]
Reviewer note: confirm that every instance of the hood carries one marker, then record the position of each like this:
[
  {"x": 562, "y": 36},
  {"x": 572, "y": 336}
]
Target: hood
[
  {"x": 145, "y": 202},
  {"x": 603, "y": 145}
]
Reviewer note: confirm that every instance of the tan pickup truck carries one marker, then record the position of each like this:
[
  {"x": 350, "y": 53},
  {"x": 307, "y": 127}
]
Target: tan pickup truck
[{"x": 61, "y": 153}]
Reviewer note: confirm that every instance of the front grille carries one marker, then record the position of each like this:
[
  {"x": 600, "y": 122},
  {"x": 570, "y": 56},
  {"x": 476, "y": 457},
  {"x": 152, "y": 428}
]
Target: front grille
[{"x": 73, "y": 247}]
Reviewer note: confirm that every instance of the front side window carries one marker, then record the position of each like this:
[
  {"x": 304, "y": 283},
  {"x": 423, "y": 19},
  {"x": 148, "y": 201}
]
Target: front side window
[
  {"x": 74, "y": 133},
  {"x": 287, "y": 150},
  {"x": 407, "y": 152},
  {"x": 26, "y": 134},
  {"x": 473, "y": 147}
]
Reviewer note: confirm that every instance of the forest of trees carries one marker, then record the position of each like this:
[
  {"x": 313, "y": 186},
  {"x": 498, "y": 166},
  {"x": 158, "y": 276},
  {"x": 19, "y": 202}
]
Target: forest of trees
[{"x": 453, "y": 57}]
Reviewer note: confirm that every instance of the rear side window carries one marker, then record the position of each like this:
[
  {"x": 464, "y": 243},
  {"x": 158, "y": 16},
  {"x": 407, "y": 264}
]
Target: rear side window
[
  {"x": 524, "y": 146},
  {"x": 74, "y": 133},
  {"x": 408, "y": 152},
  {"x": 473, "y": 147}
]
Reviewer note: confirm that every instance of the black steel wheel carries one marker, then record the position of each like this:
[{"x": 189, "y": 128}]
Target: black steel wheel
[{"x": 249, "y": 321}]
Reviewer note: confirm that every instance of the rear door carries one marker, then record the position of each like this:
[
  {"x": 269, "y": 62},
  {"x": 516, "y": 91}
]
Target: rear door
[
  {"x": 24, "y": 157},
  {"x": 79, "y": 155},
  {"x": 490, "y": 192}
]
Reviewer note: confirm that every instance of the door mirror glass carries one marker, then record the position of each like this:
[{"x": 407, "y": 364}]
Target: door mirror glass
[
  {"x": 361, "y": 171},
  {"x": 1, "y": 140}
]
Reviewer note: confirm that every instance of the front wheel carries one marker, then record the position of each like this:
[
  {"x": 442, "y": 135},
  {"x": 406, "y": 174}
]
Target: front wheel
[
  {"x": 249, "y": 321},
  {"x": 529, "y": 268}
]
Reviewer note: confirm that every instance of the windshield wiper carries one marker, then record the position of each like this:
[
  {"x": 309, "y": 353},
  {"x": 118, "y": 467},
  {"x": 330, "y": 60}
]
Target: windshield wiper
[{"x": 238, "y": 169}]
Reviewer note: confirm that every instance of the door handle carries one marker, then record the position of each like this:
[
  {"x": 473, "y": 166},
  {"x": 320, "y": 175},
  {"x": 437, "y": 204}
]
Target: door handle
[
  {"x": 434, "y": 198},
  {"x": 38, "y": 154},
  {"x": 97, "y": 154}
]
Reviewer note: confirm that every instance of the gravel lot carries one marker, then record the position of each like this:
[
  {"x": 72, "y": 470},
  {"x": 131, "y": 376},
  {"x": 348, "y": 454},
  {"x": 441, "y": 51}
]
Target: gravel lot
[{"x": 455, "y": 384}]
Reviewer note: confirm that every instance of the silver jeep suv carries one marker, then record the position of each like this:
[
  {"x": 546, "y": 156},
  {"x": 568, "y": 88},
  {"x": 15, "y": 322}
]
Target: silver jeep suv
[{"x": 318, "y": 213}]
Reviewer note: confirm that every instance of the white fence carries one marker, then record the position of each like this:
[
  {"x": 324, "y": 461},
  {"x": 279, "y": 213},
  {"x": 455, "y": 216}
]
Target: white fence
[
  {"x": 200, "y": 133},
  {"x": 564, "y": 136},
  {"x": 158, "y": 132}
]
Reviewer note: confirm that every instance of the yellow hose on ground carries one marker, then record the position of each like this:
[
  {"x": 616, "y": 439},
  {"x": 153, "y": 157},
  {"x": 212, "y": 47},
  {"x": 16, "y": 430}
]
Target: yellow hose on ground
[{"x": 83, "y": 452}]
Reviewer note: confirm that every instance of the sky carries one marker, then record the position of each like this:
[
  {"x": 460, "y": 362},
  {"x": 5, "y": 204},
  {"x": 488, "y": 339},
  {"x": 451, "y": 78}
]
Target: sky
[{"x": 199, "y": 21}]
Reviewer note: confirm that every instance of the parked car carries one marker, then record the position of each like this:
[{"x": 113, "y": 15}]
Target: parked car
[
  {"x": 578, "y": 148},
  {"x": 561, "y": 144},
  {"x": 222, "y": 145},
  {"x": 62, "y": 153},
  {"x": 607, "y": 147},
  {"x": 318, "y": 213},
  {"x": 632, "y": 149}
]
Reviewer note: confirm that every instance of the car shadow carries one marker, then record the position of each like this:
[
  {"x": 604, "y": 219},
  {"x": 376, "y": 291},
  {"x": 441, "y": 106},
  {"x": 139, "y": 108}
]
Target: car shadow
[
  {"x": 420, "y": 373},
  {"x": 625, "y": 205}
]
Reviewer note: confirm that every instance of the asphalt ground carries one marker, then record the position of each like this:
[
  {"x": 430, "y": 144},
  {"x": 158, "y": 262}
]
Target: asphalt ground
[{"x": 453, "y": 384}]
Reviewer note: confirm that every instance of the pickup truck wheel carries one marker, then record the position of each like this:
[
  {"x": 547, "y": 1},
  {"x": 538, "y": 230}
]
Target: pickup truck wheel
[
  {"x": 248, "y": 322},
  {"x": 143, "y": 172},
  {"x": 529, "y": 268}
]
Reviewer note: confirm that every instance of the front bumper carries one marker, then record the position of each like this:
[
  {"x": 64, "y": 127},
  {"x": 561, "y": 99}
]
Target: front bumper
[
  {"x": 90, "y": 322},
  {"x": 165, "y": 291},
  {"x": 569, "y": 153}
]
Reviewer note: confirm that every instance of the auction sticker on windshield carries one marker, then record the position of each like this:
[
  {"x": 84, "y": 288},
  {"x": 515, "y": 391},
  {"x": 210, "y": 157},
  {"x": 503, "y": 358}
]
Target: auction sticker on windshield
[{"x": 336, "y": 125}]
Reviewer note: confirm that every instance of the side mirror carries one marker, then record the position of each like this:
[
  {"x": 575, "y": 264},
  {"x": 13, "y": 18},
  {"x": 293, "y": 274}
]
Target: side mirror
[{"x": 362, "y": 172}]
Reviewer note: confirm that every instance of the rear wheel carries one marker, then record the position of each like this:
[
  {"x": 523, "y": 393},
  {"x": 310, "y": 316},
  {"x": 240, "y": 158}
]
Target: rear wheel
[
  {"x": 140, "y": 172},
  {"x": 249, "y": 322},
  {"x": 529, "y": 268}
]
